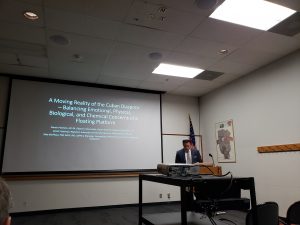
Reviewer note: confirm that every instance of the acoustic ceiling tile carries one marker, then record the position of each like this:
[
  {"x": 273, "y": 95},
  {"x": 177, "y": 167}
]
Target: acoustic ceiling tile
[
  {"x": 81, "y": 24},
  {"x": 63, "y": 64},
  {"x": 78, "y": 6},
  {"x": 297, "y": 36},
  {"x": 183, "y": 90},
  {"x": 118, "y": 81},
  {"x": 32, "y": 2},
  {"x": 203, "y": 8},
  {"x": 65, "y": 21},
  {"x": 24, "y": 70},
  {"x": 167, "y": 79},
  {"x": 35, "y": 61},
  {"x": 164, "y": 83},
  {"x": 59, "y": 57},
  {"x": 76, "y": 74},
  {"x": 17, "y": 47},
  {"x": 252, "y": 56},
  {"x": 81, "y": 44},
  {"x": 196, "y": 83},
  {"x": 224, "y": 32},
  {"x": 226, "y": 78},
  {"x": 114, "y": 10},
  {"x": 8, "y": 58},
  {"x": 102, "y": 28},
  {"x": 133, "y": 61},
  {"x": 292, "y": 4},
  {"x": 157, "y": 86},
  {"x": 274, "y": 43},
  {"x": 106, "y": 9},
  {"x": 163, "y": 17},
  {"x": 19, "y": 32},
  {"x": 204, "y": 47},
  {"x": 227, "y": 66},
  {"x": 136, "y": 53},
  {"x": 192, "y": 60},
  {"x": 149, "y": 37},
  {"x": 126, "y": 70}
]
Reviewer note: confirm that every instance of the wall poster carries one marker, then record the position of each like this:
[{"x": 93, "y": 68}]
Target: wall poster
[{"x": 225, "y": 141}]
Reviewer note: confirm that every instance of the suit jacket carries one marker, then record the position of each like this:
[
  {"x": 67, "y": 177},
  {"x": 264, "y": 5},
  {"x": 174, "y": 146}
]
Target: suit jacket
[{"x": 180, "y": 156}]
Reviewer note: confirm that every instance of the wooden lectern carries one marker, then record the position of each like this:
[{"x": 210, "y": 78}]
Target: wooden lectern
[{"x": 216, "y": 170}]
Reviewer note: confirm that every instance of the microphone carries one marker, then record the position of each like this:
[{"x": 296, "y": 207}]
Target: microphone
[{"x": 210, "y": 155}]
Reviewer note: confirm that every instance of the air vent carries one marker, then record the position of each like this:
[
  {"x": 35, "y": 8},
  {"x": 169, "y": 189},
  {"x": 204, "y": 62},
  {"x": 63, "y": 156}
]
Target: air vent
[
  {"x": 208, "y": 75},
  {"x": 148, "y": 15},
  {"x": 289, "y": 26}
]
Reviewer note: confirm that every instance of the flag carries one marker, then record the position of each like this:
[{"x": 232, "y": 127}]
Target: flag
[{"x": 192, "y": 134}]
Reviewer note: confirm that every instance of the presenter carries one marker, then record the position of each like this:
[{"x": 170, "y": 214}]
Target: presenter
[{"x": 187, "y": 154}]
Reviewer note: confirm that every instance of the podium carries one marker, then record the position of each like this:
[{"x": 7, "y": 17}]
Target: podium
[{"x": 216, "y": 170}]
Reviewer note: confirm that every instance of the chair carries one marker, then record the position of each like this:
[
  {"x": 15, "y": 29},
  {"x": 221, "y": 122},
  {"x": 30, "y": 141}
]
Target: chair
[
  {"x": 267, "y": 214},
  {"x": 293, "y": 214}
]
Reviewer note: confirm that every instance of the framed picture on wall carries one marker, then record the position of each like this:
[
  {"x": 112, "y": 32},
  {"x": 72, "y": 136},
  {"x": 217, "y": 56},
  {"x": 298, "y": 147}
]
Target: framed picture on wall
[{"x": 225, "y": 142}]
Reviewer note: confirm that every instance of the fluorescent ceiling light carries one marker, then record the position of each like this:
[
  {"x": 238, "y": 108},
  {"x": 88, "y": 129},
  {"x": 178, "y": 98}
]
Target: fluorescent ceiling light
[
  {"x": 177, "y": 71},
  {"x": 257, "y": 14}
]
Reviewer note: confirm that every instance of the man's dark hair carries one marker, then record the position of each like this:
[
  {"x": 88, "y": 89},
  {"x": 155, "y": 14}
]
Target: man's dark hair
[
  {"x": 5, "y": 200},
  {"x": 186, "y": 141}
]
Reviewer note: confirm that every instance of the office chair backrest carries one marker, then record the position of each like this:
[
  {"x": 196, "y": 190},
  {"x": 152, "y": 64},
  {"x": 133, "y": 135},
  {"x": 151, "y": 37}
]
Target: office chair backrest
[
  {"x": 293, "y": 213},
  {"x": 267, "y": 214}
]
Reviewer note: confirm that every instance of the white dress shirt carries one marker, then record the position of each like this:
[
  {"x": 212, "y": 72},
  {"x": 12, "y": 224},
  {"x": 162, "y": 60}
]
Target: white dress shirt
[{"x": 186, "y": 157}]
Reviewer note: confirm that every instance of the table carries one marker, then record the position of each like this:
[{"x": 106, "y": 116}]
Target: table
[{"x": 245, "y": 183}]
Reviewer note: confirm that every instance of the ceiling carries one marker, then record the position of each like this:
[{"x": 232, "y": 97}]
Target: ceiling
[{"x": 110, "y": 42}]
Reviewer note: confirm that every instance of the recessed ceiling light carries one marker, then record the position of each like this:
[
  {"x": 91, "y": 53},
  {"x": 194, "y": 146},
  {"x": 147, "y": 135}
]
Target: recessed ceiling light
[
  {"x": 257, "y": 14},
  {"x": 30, "y": 15},
  {"x": 177, "y": 71}
]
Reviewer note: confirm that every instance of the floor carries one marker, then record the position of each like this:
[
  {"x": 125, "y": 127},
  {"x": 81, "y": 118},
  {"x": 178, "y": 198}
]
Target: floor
[{"x": 111, "y": 216}]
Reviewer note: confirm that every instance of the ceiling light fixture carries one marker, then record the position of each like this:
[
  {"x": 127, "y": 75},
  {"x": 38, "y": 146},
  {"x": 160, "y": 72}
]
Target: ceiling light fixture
[
  {"x": 30, "y": 15},
  {"x": 257, "y": 14},
  {"x": 177, "y": 71}
]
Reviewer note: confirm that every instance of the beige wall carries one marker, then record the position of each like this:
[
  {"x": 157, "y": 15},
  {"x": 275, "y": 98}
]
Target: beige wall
[{"x": 265, "y": 108}]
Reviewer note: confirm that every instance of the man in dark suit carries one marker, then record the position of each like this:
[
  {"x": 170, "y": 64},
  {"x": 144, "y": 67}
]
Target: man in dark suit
[{"x": 187, "y": 155}]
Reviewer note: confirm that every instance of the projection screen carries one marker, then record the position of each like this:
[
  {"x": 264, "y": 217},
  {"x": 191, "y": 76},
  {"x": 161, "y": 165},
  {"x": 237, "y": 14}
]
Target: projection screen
[{"x": 57, "y": 127}]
